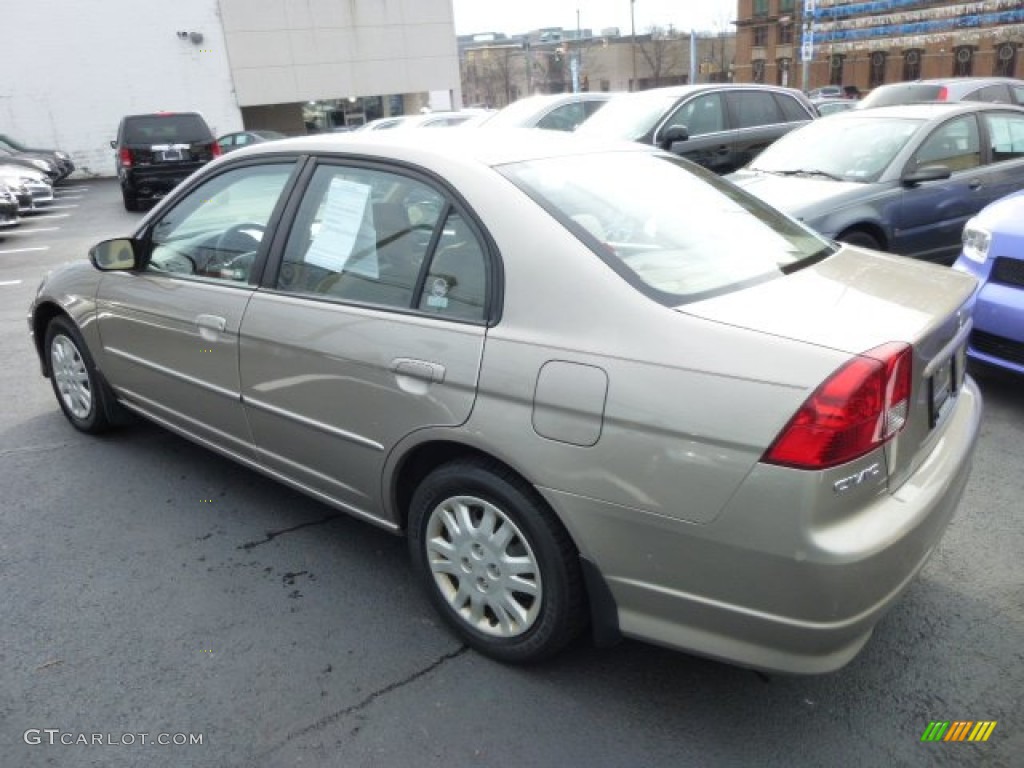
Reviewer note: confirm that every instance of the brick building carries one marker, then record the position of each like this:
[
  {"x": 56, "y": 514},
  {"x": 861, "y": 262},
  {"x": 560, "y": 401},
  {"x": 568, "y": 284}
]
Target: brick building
[{"x": 866, "y": 43}]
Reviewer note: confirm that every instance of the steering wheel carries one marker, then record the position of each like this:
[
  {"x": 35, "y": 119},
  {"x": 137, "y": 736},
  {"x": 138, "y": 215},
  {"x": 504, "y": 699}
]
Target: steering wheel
[{"x": 239, "y": 239}]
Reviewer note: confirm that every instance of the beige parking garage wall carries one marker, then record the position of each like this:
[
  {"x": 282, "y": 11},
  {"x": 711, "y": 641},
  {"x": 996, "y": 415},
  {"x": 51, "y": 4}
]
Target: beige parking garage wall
[
  {"x": 286, "y": 51},
  {"x": 73, "y": 68}
]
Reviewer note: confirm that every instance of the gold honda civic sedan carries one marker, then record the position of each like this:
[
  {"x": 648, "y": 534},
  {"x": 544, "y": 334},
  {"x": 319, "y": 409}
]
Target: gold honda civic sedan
[{"x": 596, "y": 387}]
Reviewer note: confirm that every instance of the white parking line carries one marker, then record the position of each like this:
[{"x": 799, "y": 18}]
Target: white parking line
[
  {"x": 10, "y": 282},
  {"x": 42, "y": 214},
  {"x": 59, "y": 207},
  {"x": 72, "y": 189},
  {"x": 58, "y": 196},
  {"x": 26, "y": 250},
  {"x": 26, "y": 231}
]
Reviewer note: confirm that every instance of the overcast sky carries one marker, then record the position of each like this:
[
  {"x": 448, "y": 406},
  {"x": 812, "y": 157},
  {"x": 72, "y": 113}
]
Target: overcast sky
[{"x": 514, "y": 16}]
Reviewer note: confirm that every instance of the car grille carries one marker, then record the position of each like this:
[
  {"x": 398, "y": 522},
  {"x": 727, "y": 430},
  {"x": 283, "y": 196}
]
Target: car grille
[
  {"x": 1008, "y": 271},
  {"x": 998, "y": 346}
]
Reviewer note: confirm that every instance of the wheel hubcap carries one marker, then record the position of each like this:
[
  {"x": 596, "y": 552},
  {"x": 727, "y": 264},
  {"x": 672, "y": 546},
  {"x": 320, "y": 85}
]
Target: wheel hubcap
[
  {"x": 483, "y": 566},
  {"x": 71, "y": 376}
]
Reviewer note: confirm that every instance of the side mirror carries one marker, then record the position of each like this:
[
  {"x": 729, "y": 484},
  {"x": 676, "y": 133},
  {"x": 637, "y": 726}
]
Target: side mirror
[
  {"x": 114, "y": 255},
  {"x": 672, "y": 135},
  {"x": 926, "y": 173},
  {"x": 113, "y": 143}
]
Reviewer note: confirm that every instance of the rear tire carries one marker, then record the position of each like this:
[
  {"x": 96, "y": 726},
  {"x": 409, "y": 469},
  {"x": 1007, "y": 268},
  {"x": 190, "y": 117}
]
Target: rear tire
[
  {"x": 76, "y": 384},
  {"x": 861, "y": 239},
  {"x": 131, "y": 201},
  {"x": 497, "y": 565}
]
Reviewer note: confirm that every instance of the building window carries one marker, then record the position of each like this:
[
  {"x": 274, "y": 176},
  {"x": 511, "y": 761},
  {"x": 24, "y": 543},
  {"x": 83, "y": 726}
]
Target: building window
[
  {"x": 963, "y": 61},
  {"x": 877, "y": 75},
  {"x": 912, "y": 65},
  {"x": 760, "y": 37},
  {"x": 783, "y": 67},
  {"x": 835, "y": 69},
  {"x": 1006, "y": 60},
  {"x": 786, "y": 34},
  {"x": 757, "y": 65},
  {"x": 760, "y": 7},
  {"x": 786, "y": 6}
]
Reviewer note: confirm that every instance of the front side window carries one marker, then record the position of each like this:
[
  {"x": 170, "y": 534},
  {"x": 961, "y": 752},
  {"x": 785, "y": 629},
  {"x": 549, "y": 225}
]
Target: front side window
[
  {"x": 997, "y": 94},
  {"x": 216, "y": 231},
  {"x": 563, "y": 118},
  {"x": 373, "y": 237},
  {"x": 954, "y": 144},
  {"x": 1006, "y": 135},
  {"x": 700, "y": 115},
  {"x": 625, "y": 207}
]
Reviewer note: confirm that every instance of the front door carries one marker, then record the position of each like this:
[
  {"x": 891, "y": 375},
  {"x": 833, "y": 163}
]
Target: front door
[{"x": 170, "y": 330}]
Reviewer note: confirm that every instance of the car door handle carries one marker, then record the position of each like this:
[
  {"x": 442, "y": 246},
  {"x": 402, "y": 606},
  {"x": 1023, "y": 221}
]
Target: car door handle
[
  {"x": 418, "y": 369},
  {"x": 974, "y": 184},
  {"x": 210, "y": 326},
  {"x": 722, "y": 150}
]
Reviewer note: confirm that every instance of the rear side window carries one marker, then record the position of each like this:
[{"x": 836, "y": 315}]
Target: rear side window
[
  {"x": 753, "y": 108},
  {"x": 998, "y": 93},
  {"x": 792, "y": 110},
  {"x": 166, "y": 129}
]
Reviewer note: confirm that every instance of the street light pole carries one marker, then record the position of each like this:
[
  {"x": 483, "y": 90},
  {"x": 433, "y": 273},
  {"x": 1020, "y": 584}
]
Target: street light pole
[{"x": 632, "y": 24}]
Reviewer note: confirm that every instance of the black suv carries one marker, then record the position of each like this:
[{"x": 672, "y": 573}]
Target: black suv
[
  {"x": 721, "y": 126},
  {"x": 156, "y": 152}
]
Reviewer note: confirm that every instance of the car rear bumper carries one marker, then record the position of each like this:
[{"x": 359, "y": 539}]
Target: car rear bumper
[
  {"x": 998, "y": 336},
  {"x": 763, "y": 585},
  {"x": 152, "y": 183}
]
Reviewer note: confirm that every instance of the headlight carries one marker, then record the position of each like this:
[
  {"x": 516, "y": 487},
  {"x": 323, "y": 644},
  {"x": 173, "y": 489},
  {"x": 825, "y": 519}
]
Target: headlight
[
  {"x": 61, "y": 155},
  {"x": 976, "y": 242}
]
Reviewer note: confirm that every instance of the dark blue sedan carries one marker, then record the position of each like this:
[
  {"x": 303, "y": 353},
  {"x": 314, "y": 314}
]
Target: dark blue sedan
[{"x": 994, "y": 253}]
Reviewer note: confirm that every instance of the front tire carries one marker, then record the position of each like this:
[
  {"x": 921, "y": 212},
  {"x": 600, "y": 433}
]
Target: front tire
[
  {"x": 76, "y": 384},
  {"x": 861, "y": 239},
  {"x": 496, "y": 563}
]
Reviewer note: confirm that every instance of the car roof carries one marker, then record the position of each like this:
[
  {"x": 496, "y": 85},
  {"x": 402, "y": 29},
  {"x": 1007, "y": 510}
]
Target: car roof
[
  {"x": 685, "y": 90},
  {"x": 490, "y": 148},
  {"x": 928, "y": 110}
]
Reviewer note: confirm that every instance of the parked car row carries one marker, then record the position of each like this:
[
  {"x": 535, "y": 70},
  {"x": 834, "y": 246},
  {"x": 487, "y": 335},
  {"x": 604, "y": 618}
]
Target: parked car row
[
  {"x": 23, "y": 189},
  {"x": 55, "y": 164}
]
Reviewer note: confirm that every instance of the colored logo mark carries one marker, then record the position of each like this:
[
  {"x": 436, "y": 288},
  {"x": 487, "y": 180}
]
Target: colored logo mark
[{"x": 958, "y": 730}]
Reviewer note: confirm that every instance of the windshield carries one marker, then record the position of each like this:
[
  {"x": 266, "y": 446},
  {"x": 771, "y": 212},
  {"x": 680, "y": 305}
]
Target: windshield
[
  {"x": 675, "y": 231},
  {"x": 629, "y": 117},
  {"x": 846, "y": 148}
]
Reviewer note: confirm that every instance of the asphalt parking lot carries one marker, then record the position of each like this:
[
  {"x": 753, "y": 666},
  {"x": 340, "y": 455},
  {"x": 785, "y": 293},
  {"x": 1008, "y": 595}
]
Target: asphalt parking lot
[{"x": 152, "y": 587}]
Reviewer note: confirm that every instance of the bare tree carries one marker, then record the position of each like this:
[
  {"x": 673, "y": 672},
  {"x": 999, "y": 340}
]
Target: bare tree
[{"x": 665, "y": 52}]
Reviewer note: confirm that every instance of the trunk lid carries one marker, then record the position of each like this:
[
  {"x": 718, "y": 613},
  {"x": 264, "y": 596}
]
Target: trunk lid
[{"x": 857, "y": 300}]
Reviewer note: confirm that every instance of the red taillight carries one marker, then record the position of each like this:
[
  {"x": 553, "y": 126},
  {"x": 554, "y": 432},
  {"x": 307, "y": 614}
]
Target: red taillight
[
  {"x": 215, "y": 149},
  {"x": 857, "y": 409},
  {"x": 126, "y": 157},
  {"x": 943, "y": 93}
]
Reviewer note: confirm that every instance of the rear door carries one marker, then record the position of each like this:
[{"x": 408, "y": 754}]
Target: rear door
[
  {"x": 371, "y": 327},
  {"x": 758, "y": 119},
  {"x": 1003, "y": 133}
]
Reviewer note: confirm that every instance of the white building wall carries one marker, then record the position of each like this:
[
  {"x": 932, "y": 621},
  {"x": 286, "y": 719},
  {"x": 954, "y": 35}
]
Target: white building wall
[
  {"x": 74, "y": 67},
  {"x": 300, "y": 50}
]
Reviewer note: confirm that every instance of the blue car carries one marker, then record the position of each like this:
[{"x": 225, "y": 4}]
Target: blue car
[{"x": 994, "y": 253}]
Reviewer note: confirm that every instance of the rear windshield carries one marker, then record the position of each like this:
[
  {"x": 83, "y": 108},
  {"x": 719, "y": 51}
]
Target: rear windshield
[
  {"x": 166, "y": 129},
  {"x": 673, "y": 230},
  {"x": 904, "y": 94}
]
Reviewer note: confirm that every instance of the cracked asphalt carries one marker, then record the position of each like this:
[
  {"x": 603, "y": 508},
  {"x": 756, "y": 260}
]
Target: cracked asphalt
[{"x": 153, "y": 587}]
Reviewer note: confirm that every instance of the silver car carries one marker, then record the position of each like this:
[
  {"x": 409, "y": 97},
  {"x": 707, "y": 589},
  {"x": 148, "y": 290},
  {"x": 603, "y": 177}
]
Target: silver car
[{"x": 584, "y": 404}]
